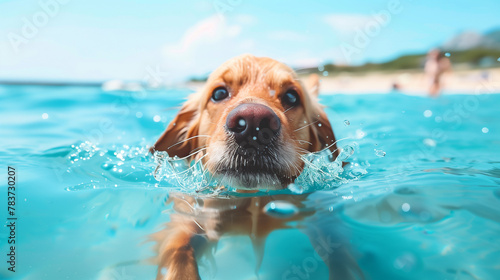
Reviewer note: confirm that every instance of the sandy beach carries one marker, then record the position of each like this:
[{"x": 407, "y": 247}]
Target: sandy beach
[{"x": 412, "y": 82}]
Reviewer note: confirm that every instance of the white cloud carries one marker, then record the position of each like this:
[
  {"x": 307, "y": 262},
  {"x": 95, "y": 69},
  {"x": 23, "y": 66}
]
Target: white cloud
[
  {"x": 345, "y": 24},
  {"x": 345, "y": 27},
  {"x": 207, "y": 31},
  {"x": 207, "y": 44}
]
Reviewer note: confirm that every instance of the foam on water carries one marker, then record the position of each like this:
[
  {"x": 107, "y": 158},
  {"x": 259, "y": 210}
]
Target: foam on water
[
  {"x": 320, "y": 172},
  {"x": 188, "y": 177}
]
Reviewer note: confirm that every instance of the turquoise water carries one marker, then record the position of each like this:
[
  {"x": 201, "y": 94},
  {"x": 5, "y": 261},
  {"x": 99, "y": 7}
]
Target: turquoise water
[{"x": 421, "y": 199}]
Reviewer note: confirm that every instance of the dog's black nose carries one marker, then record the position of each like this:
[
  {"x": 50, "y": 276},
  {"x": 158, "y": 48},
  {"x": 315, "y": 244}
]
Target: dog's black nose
[{"x": 253, "y": 122}]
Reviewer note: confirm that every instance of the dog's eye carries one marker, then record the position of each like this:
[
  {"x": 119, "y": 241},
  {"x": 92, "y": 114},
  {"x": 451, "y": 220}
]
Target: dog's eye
[
  {"x": 219, "y": 94},
  {"x": 290, "y": 98}
]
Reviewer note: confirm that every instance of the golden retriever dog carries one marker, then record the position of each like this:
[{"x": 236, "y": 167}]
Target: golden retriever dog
[{"x": 249, "y": 126}]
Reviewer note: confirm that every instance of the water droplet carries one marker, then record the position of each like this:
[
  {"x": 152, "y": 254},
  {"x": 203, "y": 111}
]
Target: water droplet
[
  {"x": 138, "y": 115},
  {"x": 296, "y": 189},
  {"x": 325, "y": 73},
  {"x": 447, "y": 54},
  {"x": 485, "y": 130},
  {"x": 347, "y": 123},
  {"x": 45, "y": 116},
  {"x": 319, "y": 124},
  {"x": 254, "y": 138},
  {"x": 429, "y": 142},
  {"x": 272, "y": 93},
  {"x": 257, "y": 129},
  {"x": 242, "y": 122},
  {"x": 280, "y": 209},
  {"x": 405, "y": 207},
  {"x": 380, "y": 153},
  {"x": 427, "y": 113},
  {"x": 346, "y": 152},
  {"x": 156, "y": 118},
  {"x": 438, "y": 119},
  {"x": 321, "y": 68},
  {"x": 498, "y": 59},
  {"x": 360, "y": 134}
]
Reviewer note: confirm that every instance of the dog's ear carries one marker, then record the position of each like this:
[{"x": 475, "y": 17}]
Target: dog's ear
[
  {"x": 321, "y": 131},
  {"x": 176, "y": 140},
  {"x": 312, "y": 85}
]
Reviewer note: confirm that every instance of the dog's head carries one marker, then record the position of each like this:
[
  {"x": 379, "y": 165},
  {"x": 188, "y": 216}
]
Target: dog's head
[{"x": 250, "y": 124}]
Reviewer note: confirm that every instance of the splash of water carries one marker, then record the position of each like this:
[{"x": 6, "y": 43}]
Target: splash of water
[
  {"x": 188, "y": 177},
  {"x": 131, "y": 166},
  {"x": 116, "y": 166},
  {"x": 380, "y": 153},
  {"x": 320, "y": 172}
]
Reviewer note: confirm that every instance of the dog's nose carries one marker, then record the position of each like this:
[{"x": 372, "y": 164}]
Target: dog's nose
[{"x": 253, "y": 122}]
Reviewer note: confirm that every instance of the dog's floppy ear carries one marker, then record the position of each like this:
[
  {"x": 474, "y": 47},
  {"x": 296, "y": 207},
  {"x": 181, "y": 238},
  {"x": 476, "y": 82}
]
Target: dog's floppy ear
[
  {"x": 321, "y": 131},
  {"x": 312, "y": 85},
  {"x": 176, "y": 138}
]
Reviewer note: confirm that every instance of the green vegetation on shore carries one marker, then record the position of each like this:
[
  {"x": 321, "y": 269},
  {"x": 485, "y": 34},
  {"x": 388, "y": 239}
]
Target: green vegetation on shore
[{"x": 466, "y": 59}]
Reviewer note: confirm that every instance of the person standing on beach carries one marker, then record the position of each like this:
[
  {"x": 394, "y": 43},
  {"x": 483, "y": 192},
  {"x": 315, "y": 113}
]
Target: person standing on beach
[{"x": 435, "y": 65}]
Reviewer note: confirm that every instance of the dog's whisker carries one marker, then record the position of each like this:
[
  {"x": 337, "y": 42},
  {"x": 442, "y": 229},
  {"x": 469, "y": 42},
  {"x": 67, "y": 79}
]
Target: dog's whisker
[
  {"x": 345, "y": 138},
  {"x": 288, "y": 109},
  {"x": 196, "y": 222},
  {"x": 308, "y": 163},
  {"x": 196, "y": 151},
  {"x": 303, "y": 141},
  {"x": 190, "y": 138},
  {"x": 304, "y": 151},
  {"x": 306, "y": 125}
]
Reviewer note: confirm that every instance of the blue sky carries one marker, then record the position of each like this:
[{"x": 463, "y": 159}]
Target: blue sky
[{"x": 99, "y": 40}]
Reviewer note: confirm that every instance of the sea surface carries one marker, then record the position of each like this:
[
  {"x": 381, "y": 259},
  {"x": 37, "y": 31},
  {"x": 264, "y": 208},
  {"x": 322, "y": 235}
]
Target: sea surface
[{"x": 420, "y": 199}]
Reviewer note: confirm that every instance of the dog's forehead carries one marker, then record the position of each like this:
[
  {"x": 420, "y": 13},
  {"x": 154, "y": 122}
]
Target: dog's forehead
[{"x": 247, "y": 70}]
